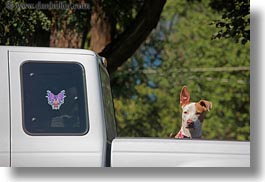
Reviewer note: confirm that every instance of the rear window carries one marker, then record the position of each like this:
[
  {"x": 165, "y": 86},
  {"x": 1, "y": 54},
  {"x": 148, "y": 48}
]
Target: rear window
[{"x": 54, "y": 99}]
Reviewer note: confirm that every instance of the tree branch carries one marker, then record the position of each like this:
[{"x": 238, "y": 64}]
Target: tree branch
[{"x": 120, "y": 49}]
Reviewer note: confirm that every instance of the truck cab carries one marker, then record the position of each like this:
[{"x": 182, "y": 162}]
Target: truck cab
[
  {"x": 34, "y": 132},
  {"x": 56, "y": 110}
]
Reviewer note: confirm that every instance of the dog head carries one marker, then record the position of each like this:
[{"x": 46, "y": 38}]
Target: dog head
[{"x": 193, "y": 113}]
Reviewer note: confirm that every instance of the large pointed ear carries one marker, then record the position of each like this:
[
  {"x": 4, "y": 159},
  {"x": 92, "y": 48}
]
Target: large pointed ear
[
  {"x": 206, "y": 104},
  {"x": 184, "y": 96}
]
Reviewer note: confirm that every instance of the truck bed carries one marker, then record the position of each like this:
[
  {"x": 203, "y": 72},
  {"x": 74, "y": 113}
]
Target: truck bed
[{"x": 151, "y": 152}]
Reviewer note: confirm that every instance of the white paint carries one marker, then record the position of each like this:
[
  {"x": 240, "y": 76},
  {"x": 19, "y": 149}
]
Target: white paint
[
  {"x": 4, "y": 111},
  {"x": 145, "y": 152}
]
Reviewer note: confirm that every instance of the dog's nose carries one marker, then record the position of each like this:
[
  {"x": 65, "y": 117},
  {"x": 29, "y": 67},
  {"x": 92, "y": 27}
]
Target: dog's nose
[{"x": 189, "y": 122}]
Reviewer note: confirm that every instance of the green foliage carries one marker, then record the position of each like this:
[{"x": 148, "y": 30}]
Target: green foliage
[
  {"x": 17, "y": 25},
  {"x": 180, "y": 52},
  {"x": 121, "y": 13},
  {"x": 235, "y": 21}
]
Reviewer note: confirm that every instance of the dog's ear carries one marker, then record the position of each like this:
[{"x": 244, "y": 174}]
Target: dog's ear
[
  {"x": 206, "y": 104},
  {"x": 184, "y": 96}
]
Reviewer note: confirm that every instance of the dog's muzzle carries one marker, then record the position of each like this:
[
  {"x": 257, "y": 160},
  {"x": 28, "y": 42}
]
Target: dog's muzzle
[{"x": 190, "y": 124}]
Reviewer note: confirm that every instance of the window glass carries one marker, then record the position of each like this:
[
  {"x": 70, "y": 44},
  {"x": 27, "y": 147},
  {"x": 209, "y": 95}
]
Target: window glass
[{"x": 54, "y": 98}]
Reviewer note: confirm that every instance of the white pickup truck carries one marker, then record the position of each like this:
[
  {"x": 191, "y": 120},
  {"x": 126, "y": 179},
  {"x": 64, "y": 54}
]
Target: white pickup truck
[{"x": 56, "y": 111}]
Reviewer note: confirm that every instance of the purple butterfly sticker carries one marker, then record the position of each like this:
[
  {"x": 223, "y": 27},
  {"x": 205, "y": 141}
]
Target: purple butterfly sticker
[{"x": 55, "y": 100}]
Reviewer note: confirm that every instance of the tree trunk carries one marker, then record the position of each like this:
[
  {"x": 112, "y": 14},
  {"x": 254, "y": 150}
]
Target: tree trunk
[
  {"x": 120, "y": 49},
  {"x": 68, "y": 34},
  {"x": 101, "y": 28},
  {"x": 64, "y": 36}
]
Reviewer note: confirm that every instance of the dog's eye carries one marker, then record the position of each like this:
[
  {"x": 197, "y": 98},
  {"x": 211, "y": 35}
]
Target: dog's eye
[
  {"x": 185, "y": 112},
  {"x": 197, "y": 113}
]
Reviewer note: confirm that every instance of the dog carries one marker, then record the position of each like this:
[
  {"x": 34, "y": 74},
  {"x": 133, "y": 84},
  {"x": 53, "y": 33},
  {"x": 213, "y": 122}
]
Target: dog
[{"x": 193, "y": 114}]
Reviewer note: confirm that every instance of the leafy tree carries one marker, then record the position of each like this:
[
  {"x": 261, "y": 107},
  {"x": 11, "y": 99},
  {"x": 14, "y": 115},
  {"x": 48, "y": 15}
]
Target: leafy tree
[
  {"x": 114, "y": 29},
  {"x": 123, "y": 45},
  {"x": 19, "y": 25},
  {"x": 235, "y": 20},
  {"x": 69, "y": 27}
]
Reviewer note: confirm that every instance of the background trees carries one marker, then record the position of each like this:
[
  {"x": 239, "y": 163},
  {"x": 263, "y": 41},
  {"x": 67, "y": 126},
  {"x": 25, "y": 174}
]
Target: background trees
[
  {"x": 114, "y": 29},
  {"x": 18, "y": 26},
  {"x": 180, "y": 52},
  {"x": 203, "y": 44}
]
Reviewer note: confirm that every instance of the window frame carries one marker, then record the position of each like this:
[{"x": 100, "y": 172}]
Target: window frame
[{"x": 102, "y": 70}]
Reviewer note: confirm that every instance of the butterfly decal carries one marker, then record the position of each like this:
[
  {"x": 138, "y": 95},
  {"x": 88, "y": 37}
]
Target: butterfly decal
[{"x": 55, "y": 100}]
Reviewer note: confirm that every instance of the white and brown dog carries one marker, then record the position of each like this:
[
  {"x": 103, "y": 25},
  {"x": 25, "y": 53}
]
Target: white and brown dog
[{"x": 193, "y": 114}]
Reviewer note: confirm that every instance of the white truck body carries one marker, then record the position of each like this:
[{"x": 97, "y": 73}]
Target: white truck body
[
  {"x": 179, "y": 153},
  {"x": 24, "y": 143}
]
